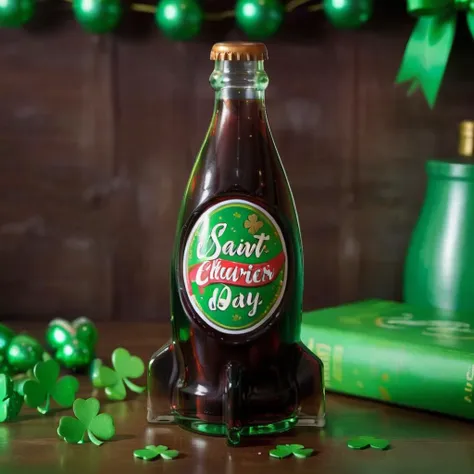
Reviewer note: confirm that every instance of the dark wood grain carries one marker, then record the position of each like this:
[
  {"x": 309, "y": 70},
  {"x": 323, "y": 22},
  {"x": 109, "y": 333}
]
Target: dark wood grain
[
  {"x": 55, "y": 251},
  {"x": 98, "y": 136},
  {"x": 421, "y": 443}
]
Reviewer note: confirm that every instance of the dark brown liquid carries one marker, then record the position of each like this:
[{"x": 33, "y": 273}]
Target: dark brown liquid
[{"x": 239, "y": 160}]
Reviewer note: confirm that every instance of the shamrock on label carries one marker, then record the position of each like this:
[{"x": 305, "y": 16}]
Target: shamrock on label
[
  {"x": 98, "y": 427},
  {"x": 114, "y": 380},
  {"x": 45, "y": 385},
  {"x": 152, "y": 452},
  {"x": 253, "y": 224},
  {"x": 10, "y": 400}
]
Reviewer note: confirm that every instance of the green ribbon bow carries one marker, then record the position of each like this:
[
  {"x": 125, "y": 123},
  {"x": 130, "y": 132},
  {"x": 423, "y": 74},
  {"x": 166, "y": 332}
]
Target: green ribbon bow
[{"x": 427, "y": 52}]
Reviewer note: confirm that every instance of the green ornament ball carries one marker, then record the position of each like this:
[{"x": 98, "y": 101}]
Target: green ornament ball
[
  {"x": 59, "y": 332},
  {"x": 97, "y": 16},
  {"x": 462, "y": 4},
  {"x": 6, "y": 335},
  {"x": 24, "y": 353},
  {"x": 179, "y": 19},
  {"x": 4, "y": 366},
  {"x": 348, "y": 14},
  {"x": 74, "y": 355},
  {"x": 259, "y": 18},
  {"x": 86, "y": 331},
  {"x": 15, "y": 13}
]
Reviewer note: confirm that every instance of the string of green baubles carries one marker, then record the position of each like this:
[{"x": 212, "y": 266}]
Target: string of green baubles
[{"x": 182, "y": 19}]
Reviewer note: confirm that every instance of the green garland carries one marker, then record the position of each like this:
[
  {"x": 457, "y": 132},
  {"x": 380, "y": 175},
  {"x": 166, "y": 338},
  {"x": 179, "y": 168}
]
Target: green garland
[
  {"x": 423, "y": 65},
  {"x": 182, "y": 19}
]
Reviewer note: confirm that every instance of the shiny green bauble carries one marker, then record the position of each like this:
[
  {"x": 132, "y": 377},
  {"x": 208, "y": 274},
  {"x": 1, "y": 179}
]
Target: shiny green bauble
[
  {"x": 97, "y": 16},
  {"x": 86, "y": 331},
  {"x": 15, "y": 13},
  {"x": 4, "y": 365},
  {"x": 462, "y": 4},
  {"x": 6, "y": 335},
  {"x": 24, "y": 353},
  {"x": 74, "y": 355},
  {"x": 59, "y": 332},
  {"x": 179, "y": 19},
  {"x": 259, "y": 18},
  {"x": 348, "y": 13}
]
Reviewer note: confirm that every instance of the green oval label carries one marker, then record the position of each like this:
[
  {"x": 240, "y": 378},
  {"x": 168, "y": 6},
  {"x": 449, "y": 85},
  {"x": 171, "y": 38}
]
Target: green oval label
[{"x": 235, "y": 266}]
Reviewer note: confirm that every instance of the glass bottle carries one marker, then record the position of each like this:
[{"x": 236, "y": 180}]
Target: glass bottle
[
  {"x": 238, "y": 366},
  {"x": 439, "y": 268}
]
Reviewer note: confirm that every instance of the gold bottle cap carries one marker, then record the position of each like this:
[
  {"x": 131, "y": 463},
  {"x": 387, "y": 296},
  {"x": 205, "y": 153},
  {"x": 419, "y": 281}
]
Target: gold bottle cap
[
  {"x": 466, "y": 138},
  {"x": 239, "y": 51}
]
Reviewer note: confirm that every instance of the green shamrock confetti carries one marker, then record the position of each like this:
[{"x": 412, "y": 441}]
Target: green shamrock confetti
[
  {"x": 99, "y": 428},
  {"x": 280, "y": 452},
  {"x": 152, "y": 452},
  {"x": 360, "y": 442},
  {"x": 363, "y": 442},
  {"x": 10, "y": 400},
  {"x": 126, "y": 367},
  {"x": 379, "y": 443},
  {"x": 45, "y": 385},
  {"x": 170, "y": 454},
  {"x": 303, "y": 453},
  {"x": 284, "y": 450},
  {"x": 291, "y": 447}
]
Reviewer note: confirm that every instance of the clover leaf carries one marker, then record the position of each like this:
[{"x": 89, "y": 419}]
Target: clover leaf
[
  {"x": 291, "y": 447},
  {"x": 99, "y": 428},
  {"x": 359, "y": 442},
  {"x": 114, "y": 380},
  {"x": 10, "y": 400},
  {"x": 382, "y": 444},
  {"x": 152, "y": 452},
  {"x": 303, "y": 453},
  {"x": 362, "y": 442},
  {"x": 45, "y": 385},
  {"x": 285, "y": 450}
]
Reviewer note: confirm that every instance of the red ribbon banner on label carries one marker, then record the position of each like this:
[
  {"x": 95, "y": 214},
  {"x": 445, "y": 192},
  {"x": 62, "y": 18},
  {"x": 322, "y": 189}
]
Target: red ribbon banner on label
[{"x": 235, "y": 273}]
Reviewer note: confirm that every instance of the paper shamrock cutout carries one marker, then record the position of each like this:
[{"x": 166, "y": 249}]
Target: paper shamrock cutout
[
  {"x": 303, "y": 453},
  {"x": 152, "y": 452},
  {"x": 99, "y": 428},
  {"x": 126, "y": 367},
  {"x": 45, "y": 385},
  {"x": 382, "y": 444},
  {"x": 10, "y": 400},
  {"x": 363, "y": 442},
  {"x": 285, "y": 450}
]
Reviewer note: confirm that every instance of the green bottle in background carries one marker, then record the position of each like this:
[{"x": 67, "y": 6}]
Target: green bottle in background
[{"x": 439, "y": 269}]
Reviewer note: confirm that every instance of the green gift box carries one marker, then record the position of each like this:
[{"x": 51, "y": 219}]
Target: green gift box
[{"x": 396, "y": 353}]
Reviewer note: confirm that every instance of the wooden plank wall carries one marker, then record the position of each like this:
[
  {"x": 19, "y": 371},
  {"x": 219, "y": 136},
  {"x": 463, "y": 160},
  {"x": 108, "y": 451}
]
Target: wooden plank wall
[{"x": 98, "y": 136}]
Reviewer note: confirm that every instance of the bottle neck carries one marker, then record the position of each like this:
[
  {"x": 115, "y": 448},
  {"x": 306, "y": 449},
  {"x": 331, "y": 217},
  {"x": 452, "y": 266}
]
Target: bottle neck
[{"x": 239, "y": 80}]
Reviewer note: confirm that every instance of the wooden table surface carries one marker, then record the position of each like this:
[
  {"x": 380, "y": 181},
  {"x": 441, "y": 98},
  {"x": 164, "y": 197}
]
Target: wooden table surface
[{"x": 422, "y": 442}]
